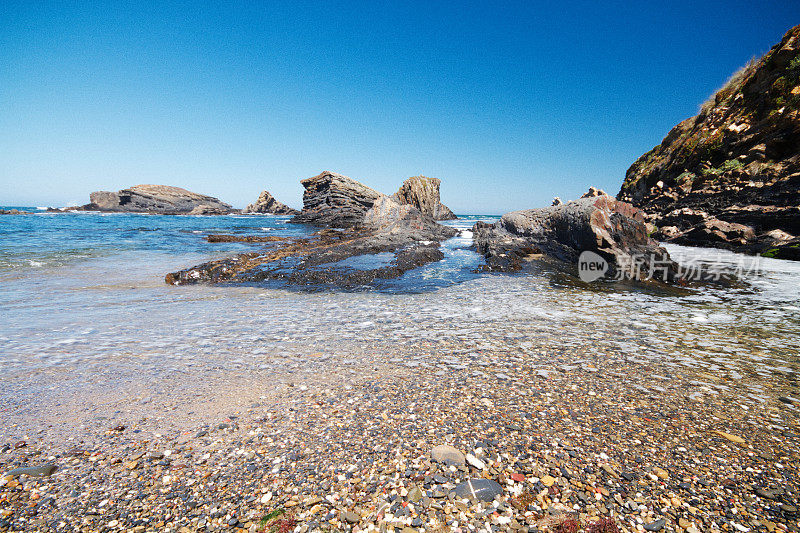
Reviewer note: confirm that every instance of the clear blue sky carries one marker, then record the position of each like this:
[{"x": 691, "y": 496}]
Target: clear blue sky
[{"x": 508, "y": 105}]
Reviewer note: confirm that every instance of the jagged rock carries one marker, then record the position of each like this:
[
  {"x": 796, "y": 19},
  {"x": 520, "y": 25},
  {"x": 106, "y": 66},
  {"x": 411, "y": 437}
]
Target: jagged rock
[
  {"x": 266, "y": 203},
  {"x": 557, "y": 201},
  {"x": 335, "y": 201},
  {"x": 389, "y": 216},
  {"x": 738, "y": 160},
  {"x": 594, "y": 192},
  {"x": 612, "y": 229},
  {"x": 713, "y": 231},
  {"x": 423, "y": 193},
  {"x": 156, "y": 199},
  {"x": 13, "y": 212}
]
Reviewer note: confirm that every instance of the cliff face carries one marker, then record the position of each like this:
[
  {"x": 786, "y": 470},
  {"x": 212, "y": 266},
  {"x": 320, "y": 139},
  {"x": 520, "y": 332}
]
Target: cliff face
[{"x": 730, "y": 176}]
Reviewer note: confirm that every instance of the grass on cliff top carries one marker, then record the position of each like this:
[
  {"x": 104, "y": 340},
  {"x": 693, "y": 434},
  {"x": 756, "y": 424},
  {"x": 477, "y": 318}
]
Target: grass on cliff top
[{"x": 731, "y": 86}]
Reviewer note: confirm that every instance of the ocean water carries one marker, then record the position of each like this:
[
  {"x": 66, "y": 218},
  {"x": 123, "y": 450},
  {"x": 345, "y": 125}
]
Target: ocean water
[{"x": 90, "y": 331}]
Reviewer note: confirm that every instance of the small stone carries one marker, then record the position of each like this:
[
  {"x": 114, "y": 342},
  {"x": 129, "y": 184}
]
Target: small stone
[
  {"x": 547, "y": 481},
  {"x": 474, "y": 461},
  {"x": 478, "y": 489},
  {"x": 610, "y": 470},
  {"x": 351, "y": 517},
  {"x": 661, "y": 473},
  {"x": 444, "y": 453},
  {"x": 730, "y": 437},
  {"x": 658, "y": 525},
  {"x": 37, "y": 471}
]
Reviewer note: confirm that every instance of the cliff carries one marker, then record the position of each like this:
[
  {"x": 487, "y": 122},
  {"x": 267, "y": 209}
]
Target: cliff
[{"x": 730, "y": 176}]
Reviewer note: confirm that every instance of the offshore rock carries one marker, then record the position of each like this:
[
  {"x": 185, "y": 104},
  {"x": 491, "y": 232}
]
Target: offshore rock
[
  {"x": 156, "y": 199},
  {"x": 335, "y": 201},
  {"x": 614, "y": 230},
  {"x": 737, "y": 161},
  {"x": 423, "y": 193},
  {"x": 267, "y": 204},
  {"x": 391, "y": 240}
]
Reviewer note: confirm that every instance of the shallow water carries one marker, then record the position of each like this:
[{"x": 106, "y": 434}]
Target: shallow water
[{"x": 90, "y": 329}]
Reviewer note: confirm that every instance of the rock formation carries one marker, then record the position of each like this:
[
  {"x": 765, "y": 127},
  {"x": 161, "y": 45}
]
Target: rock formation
[
  {"x": 612, "y": 229},
  {"x": 423, "y": 193},
  {"x": 267, "y": 204},
  {"x": 342, "y": 258},
  {"x": 730, "y": 176},
  {"x": 156, "y": 199},
  {"x": 335, "y": 201}
]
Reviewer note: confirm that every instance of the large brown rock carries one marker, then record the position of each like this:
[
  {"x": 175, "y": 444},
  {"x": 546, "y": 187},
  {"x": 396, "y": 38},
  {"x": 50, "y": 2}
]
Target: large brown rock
[
  {"x": 267, "y": 204},
  {"x": 156, "y": 199},
  {"x": 612, "y": 229},
  {"x": 423, "y": 193},
  {"x": 737, "y": 161},
  {"x": 334, "y": 200}
]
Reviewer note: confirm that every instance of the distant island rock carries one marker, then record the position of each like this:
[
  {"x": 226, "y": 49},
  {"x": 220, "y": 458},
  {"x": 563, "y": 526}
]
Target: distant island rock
[
  {"x": 156, "y": 199},
  {"x": 730, "y": 176},
  {"x": 267, "y": 204},
  {"x": 423, "y": 193}
]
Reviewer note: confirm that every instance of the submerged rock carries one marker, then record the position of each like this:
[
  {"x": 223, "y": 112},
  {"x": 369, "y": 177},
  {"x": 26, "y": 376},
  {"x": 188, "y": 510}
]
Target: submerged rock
[
  {"x": 613, "y": 230},
  {"x": 335, "y": 201},
  {"x": 155, "y": 199},
  {"x": 244, "y": 238},
  {"x": 422, "y": 192},
  {"x": 267, "y": 204}
]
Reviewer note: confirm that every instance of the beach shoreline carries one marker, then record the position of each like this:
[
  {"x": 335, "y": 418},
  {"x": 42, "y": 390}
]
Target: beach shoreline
[{"x": 618, "y": 439}]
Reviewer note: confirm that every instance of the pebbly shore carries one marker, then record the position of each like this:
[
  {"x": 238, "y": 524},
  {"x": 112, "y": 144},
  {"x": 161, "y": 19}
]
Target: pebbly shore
[{"x": 503, "y": 444}]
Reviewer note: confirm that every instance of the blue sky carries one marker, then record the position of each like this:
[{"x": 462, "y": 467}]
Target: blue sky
[{"x": 509, "y": 104}]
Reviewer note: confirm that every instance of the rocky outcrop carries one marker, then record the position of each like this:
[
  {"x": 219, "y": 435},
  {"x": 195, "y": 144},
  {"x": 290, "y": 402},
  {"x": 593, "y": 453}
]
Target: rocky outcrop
[
  {"x": 423, "y": 193},
  {"x": 736, "y": 163},
  {"x": 267, "y": 204},
  {"x": 13, "y": 212},
  {"x": 387, "y": 240},
  {"x": 204, "y": 209},
  {"x": 612, "y": 229},
  {"x": 156, "y": 199},
  {"x": 389, "y": 216},
  {"x": 335, "y": 201}
]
